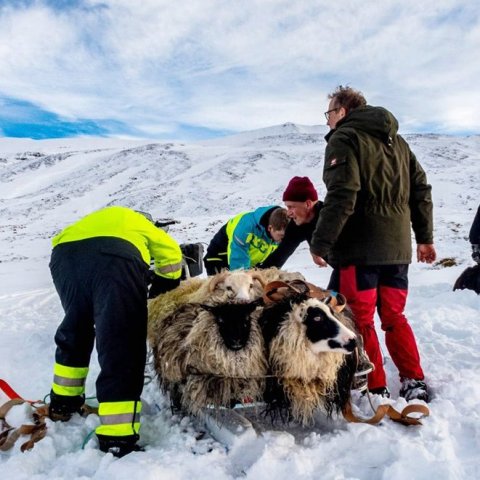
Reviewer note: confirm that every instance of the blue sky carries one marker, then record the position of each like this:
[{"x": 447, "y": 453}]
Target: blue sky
[{"x": 190, "y": 70}]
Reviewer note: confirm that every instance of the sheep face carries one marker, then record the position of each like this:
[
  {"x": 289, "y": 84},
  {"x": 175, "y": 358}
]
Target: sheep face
[
  {"x": 324, "y": 332},
  {"x": 237, "y": 286},
  {"x": 234, "y": 323}
]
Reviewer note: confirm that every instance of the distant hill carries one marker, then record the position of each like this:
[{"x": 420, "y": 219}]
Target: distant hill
[{"x": 47, "y": 184}]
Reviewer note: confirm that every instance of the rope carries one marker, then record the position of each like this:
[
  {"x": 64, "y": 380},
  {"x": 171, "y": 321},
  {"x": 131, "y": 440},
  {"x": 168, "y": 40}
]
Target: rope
[
  {"x": 87, "y": 438},
  {"x": 243, "y": 377}
]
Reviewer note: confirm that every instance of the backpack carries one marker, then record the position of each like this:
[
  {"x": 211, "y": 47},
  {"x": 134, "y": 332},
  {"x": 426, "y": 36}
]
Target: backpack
[{"x": 192, "y": 259}]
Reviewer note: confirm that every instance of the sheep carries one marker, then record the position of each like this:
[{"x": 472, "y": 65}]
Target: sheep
[
  {"x": 214, "y": 353},
  {"x": 277, "y": 290},
  {"x": 236, "y": 286},
  {"x": 307, "y": 346},
  {"x": 274, "y": 274}
]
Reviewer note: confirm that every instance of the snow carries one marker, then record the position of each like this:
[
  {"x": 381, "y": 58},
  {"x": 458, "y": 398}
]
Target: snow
[{"x": 50, "y": 183}]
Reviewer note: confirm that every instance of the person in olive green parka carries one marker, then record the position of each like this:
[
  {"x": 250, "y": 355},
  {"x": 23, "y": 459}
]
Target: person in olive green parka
[{"x": 376, "y": 192}]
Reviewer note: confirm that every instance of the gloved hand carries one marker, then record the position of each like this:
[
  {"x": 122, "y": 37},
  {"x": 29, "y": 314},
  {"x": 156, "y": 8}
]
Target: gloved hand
[
  {"x": 476, "y": 253},
  {"x": 162, "y": 285}
]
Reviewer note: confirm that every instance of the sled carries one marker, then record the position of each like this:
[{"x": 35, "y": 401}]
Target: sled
[{"x": 227, "y": 426}]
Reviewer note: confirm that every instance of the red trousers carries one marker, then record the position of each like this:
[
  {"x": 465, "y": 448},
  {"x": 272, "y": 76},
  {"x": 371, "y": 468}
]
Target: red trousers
[{"x": 384, "y": 287}]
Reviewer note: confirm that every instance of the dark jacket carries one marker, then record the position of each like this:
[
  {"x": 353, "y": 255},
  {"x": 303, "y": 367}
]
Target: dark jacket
[
  {"x": 294, "y": 235},
  {"x": 376, "y": 190},
  {"x": 474, "y": 235}
]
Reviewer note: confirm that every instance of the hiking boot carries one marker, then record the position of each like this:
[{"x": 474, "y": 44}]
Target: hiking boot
[
  {"x": 364, "y": 367},
  {"x": 119, "y": 446},
  {"x": 414, "y": 390},
  {"x": 61, "y": 407},
  {"x": 360, "y": 378},
  {"x": 382, "y": 391}
]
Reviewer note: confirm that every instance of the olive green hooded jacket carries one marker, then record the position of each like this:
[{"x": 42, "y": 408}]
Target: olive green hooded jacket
[{"x": 376, "y": 191}]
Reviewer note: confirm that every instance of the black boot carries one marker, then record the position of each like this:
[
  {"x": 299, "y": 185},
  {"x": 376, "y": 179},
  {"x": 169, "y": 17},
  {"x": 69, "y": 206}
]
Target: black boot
[
  {"x": 61, "y": 407},
  {"x": 119, "y": 446}
]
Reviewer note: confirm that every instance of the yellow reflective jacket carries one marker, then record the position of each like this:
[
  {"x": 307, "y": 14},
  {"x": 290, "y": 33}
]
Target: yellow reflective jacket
[{"x": 129, "y": 225}]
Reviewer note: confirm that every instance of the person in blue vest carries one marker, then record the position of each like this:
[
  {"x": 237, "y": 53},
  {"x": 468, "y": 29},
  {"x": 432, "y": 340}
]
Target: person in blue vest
[
  {"x": 100, "y": 268},
  {"x": 246, "y": 239}
]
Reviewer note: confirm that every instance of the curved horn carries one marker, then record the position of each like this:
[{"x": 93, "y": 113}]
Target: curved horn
[
  {"x": 277, "y": 290},
  {"x": 336, "y": 302},
  {"x": 219, "y": 277},
  {"x": 341, "y": 303},
  {"x": 258, "y": 276}
]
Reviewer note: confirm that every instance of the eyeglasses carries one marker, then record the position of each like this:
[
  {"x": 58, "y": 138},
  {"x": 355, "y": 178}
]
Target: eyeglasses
[{"x": 328, "y": 112}]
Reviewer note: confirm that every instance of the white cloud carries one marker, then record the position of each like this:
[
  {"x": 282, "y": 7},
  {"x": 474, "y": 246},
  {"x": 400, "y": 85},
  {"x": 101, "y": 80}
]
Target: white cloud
[{"x": 236, "y": 65}]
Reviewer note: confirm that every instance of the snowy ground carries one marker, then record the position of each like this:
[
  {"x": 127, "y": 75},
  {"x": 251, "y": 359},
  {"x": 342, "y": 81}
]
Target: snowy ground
[{"x": 46, "y": 185}]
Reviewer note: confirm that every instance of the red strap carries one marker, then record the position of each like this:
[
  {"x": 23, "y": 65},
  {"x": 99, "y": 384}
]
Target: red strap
[{"x": 10, "y": 392}]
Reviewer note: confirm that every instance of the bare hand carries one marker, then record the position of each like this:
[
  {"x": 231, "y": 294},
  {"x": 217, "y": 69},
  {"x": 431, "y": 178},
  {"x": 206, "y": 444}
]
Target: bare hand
[
  {"x": 426, "y": 253},
  {"x": 319, "y": 261}
]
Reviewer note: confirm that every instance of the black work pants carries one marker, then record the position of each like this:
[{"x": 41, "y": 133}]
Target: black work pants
[
  {"x": 102, "y": 284},
  {"x": 216, "y": 258}
]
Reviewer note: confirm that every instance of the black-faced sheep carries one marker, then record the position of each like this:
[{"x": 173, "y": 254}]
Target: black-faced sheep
[
  {"x": 307, "y": 345},
  {"x": 214, "y": 353},
  {"x": 228, "y": 286}
]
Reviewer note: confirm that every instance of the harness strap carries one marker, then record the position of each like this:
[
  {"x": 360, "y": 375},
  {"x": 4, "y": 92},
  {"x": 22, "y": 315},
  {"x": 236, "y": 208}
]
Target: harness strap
[
  {"x": 387, "y": 410},
  {"x": 8, "y": 390},
  {"x": 10, "y": 435},
  {"x": 403, "y": 416},
  {"x": 278, "y": 290}
]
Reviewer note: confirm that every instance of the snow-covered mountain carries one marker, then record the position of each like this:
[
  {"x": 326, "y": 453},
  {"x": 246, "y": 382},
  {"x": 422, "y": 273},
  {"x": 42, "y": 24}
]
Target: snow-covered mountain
[{"x": 48, "y": 184}]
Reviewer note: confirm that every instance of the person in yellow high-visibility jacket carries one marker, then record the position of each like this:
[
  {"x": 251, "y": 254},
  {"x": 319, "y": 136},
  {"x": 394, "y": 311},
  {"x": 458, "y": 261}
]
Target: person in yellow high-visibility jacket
[{"x": 100, "y": 266}]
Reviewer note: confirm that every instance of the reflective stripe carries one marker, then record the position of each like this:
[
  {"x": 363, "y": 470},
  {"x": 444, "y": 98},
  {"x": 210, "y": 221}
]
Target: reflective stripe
[
  {"x": 70, "y": 372},
  {"x": 68, "y": 382},
  {"x": 119, "y": 429},
  {"x": 68, "y": 391},
  {"x": 169, "y": 268},
  {"x": 113, "y": 408},
  {"x": 120, "y": 418}
]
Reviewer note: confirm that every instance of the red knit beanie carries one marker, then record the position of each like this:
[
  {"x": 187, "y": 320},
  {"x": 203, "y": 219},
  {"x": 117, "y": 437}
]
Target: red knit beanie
[{"x": 300, "y": 189}]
